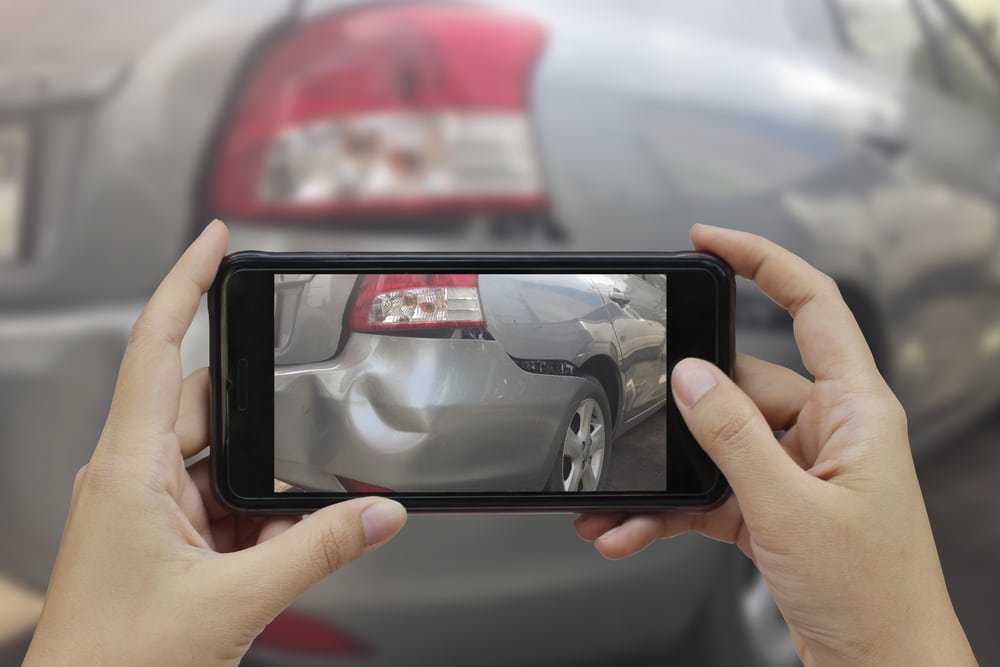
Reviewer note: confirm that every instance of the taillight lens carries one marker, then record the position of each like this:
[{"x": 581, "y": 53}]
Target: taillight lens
[
  {"x": 356, "y": 486},
  {"x": 385, "y": 303},
  {"x": 297, "y": 633},
  {"x": 386, "y": 110}
]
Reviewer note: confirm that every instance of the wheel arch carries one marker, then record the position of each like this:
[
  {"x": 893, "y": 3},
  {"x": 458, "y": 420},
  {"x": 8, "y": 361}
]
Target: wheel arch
[{"x": 603, "y": 369}]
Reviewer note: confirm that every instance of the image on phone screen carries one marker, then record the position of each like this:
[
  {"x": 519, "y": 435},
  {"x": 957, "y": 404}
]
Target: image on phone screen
[{"x": 492, "y": 382}]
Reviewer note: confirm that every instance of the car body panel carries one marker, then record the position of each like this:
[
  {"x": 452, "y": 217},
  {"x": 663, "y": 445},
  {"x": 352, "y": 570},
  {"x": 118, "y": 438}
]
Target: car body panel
[
  {"x": 419, "y": 414},
  {"x": 508, "y": 590},
  {"x": 309, "y": 314},
  {"x": 638, "y": 314},
  {"x": 548, "y": 317},
  {"x": 644, "y": 125}
]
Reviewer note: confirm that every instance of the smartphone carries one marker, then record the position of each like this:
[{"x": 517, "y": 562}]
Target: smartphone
[{"x": 489, "y": 382}]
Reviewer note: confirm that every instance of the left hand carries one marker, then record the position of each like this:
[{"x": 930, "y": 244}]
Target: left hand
[{"x": 151, "y": 569}]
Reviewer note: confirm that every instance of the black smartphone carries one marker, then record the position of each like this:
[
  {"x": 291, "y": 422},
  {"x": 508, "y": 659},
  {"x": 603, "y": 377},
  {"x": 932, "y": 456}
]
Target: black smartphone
[{"x": 489, "y": 382}]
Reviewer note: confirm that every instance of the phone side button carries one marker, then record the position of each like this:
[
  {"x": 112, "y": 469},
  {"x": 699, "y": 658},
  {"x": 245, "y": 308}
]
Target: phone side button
[{"x": 241, "y": 385}]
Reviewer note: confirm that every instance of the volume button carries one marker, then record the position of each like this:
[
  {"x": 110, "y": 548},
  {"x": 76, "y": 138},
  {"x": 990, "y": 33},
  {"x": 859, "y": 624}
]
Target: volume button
[{"x": 242, "y": 393}]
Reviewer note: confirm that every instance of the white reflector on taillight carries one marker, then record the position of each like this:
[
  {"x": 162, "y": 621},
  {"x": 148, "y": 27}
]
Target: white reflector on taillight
[
  {"x": 395, "y": 302},
  {"x": 402, "y": 157},
  {"x": 389, "y": 109}
]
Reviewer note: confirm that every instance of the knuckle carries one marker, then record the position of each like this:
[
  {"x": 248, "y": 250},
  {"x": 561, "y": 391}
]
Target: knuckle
[
  {"x": 894, "y": 412},
  {"x": 827, "y": 285},
  {"x": 141, "y": 330},
  {"x": 79, "y": 480},
  {"x": 147, "y": 331},
  {"x": 731, "y": 428},
  {"x": 329, "y": 552},
  {"x": 96, "y": 477}
]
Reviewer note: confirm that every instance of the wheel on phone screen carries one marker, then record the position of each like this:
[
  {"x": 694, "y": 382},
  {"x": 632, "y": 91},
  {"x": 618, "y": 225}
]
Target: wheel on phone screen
[{"x": 581, "y": 463}]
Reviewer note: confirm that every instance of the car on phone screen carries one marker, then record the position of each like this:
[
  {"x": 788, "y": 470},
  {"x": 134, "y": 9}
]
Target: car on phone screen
[
  {"x": 864, "y": 135},
  {"x": 463, "y": 382}
]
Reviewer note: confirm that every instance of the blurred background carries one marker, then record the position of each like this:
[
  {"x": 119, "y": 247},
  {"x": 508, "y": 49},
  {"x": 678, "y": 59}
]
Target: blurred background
[{"x": 862, "y": 134}]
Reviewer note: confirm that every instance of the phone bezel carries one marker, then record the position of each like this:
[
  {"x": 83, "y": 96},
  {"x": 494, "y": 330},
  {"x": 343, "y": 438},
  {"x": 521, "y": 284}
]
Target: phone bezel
[{"x": 697, "y": 283}]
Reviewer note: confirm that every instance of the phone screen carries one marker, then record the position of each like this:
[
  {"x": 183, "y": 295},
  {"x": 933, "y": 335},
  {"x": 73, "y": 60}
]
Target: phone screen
[
  {"x": 468, "y": 382},
  {"x": 456, "y": 383}
]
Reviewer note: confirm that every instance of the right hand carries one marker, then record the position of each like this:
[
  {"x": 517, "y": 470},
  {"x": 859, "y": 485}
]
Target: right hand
[{"x": 830, "y": 512}]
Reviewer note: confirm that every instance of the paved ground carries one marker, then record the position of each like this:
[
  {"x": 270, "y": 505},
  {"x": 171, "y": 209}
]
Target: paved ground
[{"x": 639, "y": 458}]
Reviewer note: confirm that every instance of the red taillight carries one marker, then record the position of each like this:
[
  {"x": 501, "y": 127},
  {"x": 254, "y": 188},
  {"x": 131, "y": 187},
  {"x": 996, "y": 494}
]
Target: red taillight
[
  {"x": 355, "y": 486},
  {"x": 414, "y": 108},
  {"x": 298, "y": 633},
  {"x": 385, "y": 303}
]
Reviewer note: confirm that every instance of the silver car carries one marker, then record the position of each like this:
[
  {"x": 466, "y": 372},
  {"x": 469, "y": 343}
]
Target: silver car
[
  {"x": 493, "y": 382},
  {"x": 862, "y": 134}
]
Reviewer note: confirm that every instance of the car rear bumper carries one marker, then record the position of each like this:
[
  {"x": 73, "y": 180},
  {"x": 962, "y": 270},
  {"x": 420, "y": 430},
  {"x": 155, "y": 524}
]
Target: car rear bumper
[
  {"x": 419, "y": 414},
  {"x": 57, "y": 371},
  {"x": 509, "y": 590}
]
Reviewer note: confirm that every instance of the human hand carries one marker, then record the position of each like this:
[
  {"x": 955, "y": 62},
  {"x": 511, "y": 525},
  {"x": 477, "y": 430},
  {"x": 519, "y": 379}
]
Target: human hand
[
  {"x": 151, "y": 569},
  {"x": 830, "y": 512}
]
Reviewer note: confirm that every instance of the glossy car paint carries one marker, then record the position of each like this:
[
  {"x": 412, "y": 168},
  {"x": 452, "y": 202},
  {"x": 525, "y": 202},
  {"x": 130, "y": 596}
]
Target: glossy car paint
[
  {"x": 418, "y": 414},
  {"x": 453, "y": 414}
]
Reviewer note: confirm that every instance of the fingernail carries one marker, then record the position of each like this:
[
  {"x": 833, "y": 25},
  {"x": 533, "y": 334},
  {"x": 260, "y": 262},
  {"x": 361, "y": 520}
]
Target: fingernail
[
  {"x": 209, "y": 226},
  {"x": 381, "y": 520},
  {"x": 610, "y": 535},
  {"x": 692, "y": 379}
]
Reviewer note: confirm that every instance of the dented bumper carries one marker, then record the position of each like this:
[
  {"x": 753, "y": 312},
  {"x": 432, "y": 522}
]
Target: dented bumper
[{"x": 419, "y": 414}]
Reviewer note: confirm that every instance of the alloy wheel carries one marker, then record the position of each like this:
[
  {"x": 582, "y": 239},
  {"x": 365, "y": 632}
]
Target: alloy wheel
[{"x": 584, "y": 447}]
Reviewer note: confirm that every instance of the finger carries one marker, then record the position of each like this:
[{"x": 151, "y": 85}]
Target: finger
[
  {"x": 731, "y": 429},
  {"x": 630, "y": 537},
  {"x": 827, "y": 334},
  {"x": 147, "y": 394},
  {"x": 592, "y": 525},
  {"x": 275, "y": 526},
  {"x": 637, "y": 531},
  {"x": 192, "y": 417},
  {"x": 778, "y": 392},
  {"x": 289, "y": 563},
  {"x": 200, "y": 473}
]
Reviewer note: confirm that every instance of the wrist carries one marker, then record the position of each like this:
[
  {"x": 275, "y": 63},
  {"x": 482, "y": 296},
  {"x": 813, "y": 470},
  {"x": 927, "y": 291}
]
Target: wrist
[{"x": 941, "y": 642}]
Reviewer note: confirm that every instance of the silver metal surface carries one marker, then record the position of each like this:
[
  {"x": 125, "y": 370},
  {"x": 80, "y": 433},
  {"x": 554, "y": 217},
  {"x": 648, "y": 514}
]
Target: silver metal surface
[
  {"x": 418, "y": 414},
  {"x": 648, "y": 116},
  {"x": 584, "y": 448},
  {"x": 14, "y": 156},
  {"x": 413, "y": 413}
]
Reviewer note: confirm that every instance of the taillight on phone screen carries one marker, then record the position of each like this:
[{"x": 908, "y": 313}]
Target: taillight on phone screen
[
  {"x": 386, "y": 110},
  {"x": 385, "y": 303}
]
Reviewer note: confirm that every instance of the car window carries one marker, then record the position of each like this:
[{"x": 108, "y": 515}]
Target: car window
[
  {"x": 966, "y": 70},
  {"x": 887, "y": 35}
]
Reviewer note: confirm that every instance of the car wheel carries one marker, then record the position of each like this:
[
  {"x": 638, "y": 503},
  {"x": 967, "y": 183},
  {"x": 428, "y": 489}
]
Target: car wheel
[
  {"x": 741, "y": 624},
  {"x": 586, "y": 442}
]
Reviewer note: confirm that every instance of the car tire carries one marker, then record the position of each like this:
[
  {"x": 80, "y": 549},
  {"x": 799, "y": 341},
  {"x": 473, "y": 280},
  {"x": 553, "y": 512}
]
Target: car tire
[
  {"x": 583, "y": 446},
  {"x": 741, "y": 624}
]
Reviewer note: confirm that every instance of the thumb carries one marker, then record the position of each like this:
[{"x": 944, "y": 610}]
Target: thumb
[
  {"x": 733, "y": 432},
  {"x": 290, "y": 563}
]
